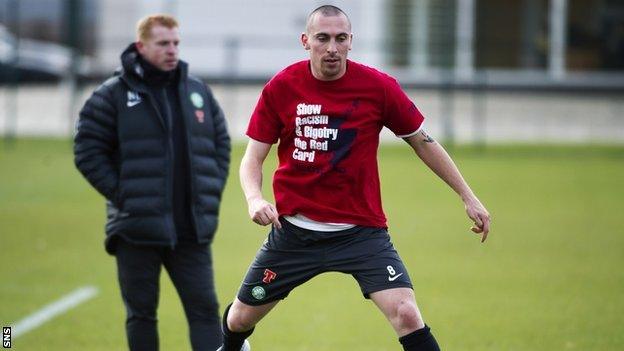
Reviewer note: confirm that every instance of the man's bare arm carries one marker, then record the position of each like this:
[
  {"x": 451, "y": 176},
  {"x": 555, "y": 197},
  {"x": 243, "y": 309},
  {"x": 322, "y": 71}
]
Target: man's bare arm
[
  {"x": 439, "y": 161},
  {"x": 261, "y": 211}
]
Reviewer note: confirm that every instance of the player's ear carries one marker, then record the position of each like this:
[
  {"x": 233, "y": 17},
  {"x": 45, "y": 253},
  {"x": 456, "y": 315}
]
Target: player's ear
[
  {"x": 304, "y": 41},
  {"x": 350, "y": 40},
  {"x": 139, "y": 45}
]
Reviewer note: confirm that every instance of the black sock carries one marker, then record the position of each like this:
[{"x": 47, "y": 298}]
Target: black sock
[
  {"x": 420, "y": 340},
  {"x": 232, "y": 341}
]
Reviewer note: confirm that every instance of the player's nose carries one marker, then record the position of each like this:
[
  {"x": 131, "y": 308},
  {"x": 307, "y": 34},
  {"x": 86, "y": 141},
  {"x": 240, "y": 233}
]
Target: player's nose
[
  {"x": 332, "y": 47},
  {"x": 172, "y": 49}
]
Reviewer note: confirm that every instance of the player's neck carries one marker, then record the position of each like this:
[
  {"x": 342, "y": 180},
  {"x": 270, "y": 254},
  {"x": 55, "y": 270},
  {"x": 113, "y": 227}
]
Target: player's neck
[{"x": 318, "y": 75}]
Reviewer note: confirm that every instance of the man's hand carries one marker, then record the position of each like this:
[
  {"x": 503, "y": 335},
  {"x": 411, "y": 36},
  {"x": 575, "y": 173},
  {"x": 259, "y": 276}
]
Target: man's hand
[
  {"x": 479, "y": 215},
  {"x": 436, "y": 158},
  {"x": 263, "y": 212}
]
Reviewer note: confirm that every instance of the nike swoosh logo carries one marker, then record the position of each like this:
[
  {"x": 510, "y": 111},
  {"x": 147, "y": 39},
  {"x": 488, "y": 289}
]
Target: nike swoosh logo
[
  {"x": 391, "y": 279},
  {"x": 132, "y": 103}
]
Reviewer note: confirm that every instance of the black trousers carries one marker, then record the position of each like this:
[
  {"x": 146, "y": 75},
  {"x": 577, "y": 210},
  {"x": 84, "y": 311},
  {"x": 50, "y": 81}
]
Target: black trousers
[{"x": 190, "y": 268}]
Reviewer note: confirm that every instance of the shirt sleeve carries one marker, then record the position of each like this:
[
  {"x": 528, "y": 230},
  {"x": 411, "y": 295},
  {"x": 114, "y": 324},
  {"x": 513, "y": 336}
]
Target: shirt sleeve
[
  {"x": 401, "y": 116},
  {"x": 265, "y": 125}
]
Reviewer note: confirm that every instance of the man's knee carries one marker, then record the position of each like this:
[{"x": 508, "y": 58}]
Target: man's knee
[
  {"x": 141, "y": 311},
  {"x": 140, "y": 304},
  {"x": 202, "y": 310},
  {"x": 238, "y": 322},
  {"x": 143, "y": 315},
  {"x": 407, "y": 316}
]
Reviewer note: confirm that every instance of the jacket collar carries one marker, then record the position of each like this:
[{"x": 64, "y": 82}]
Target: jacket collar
[{"x": 133, "y": 73}]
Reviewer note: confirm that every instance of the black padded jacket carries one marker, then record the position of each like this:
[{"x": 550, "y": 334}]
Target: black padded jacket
[{"x": 123, "y": 147}]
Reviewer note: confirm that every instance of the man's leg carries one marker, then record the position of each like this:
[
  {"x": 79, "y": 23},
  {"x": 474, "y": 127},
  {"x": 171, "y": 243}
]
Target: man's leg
[
  {"x": 190, "y": 268},
  {"x": 138, "y": 270},
  {"x": 286, "y": 260},
  {"x": 239, "y": 320},
  {"x": 373, "y": 261},
  {"x": 399, "y": 307}
]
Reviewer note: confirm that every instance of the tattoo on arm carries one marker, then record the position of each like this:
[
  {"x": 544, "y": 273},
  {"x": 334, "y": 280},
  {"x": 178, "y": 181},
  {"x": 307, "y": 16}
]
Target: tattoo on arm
[{"x": 426, "y": 137}]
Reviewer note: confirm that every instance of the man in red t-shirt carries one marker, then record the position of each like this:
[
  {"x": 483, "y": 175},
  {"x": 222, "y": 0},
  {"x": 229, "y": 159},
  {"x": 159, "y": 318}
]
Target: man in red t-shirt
[{"x": 327, "y": 113}]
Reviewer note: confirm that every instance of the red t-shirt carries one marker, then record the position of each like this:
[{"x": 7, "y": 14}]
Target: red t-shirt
[{"x": 329, "y": 135}]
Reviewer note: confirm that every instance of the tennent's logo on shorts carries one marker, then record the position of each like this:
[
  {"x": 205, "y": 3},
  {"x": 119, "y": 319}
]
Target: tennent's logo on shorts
[
  {"x": 269, "y": 276},
  {"x": 258, "y": 293}
]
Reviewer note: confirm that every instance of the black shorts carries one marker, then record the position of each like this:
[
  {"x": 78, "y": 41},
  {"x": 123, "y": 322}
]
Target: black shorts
[{"x": 293, "y": 255}]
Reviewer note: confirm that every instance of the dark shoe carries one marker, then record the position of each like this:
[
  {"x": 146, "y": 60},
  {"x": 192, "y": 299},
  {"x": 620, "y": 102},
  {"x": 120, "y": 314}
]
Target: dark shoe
[{"x": 245, "y": 347}]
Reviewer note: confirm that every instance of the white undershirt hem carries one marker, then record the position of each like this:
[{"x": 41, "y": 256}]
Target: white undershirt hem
[{"x": 306, "y": 223}]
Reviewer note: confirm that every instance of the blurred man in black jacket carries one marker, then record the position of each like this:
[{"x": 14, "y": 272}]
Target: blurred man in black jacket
[{"x": 153, "y": 141}]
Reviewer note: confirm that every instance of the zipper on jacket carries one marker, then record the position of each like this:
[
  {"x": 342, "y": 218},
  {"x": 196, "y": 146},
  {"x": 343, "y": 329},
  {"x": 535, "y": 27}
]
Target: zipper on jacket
[
  {"x": 183, "y": 92},
  {"x": 169, "y": 171}
]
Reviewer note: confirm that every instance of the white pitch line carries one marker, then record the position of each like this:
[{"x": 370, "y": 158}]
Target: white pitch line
[{"x": 50, "y": 311}]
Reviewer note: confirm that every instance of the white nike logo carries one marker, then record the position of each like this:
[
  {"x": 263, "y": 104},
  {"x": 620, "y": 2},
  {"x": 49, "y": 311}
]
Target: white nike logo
[
  {"x": 133, "y": 99},
  {"x": 391, "y": 279}
]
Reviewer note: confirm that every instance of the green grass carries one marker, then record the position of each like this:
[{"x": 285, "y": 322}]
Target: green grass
[{"x": 549, "y": 278}]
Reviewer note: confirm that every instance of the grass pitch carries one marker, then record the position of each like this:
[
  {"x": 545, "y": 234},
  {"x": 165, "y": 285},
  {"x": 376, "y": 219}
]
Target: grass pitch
[{"x": 548, "y": 278}]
